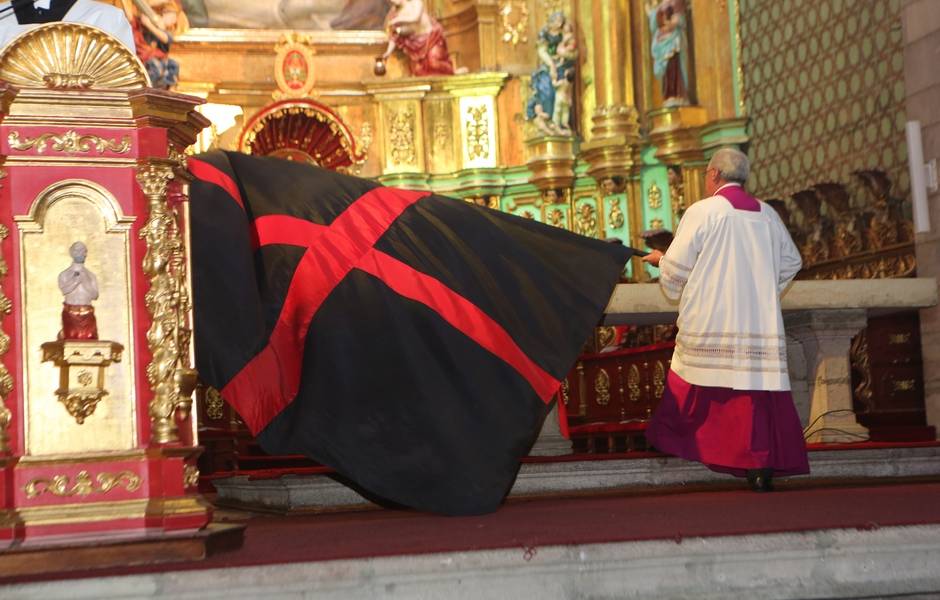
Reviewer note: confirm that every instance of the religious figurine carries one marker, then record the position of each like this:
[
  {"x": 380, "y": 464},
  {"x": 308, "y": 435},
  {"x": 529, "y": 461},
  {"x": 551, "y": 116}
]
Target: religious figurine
[
  {"x": 816, "y": 228},
  {"x": 552, "y": 86},
  {"x": 155, "y": 23},
  {"x": 847, "y": 238},
  {"x": 670, "y": 48},
  {"x": 79, "y": 286},
  {"x": 886, "y": 224},
  {"x": 413, "y": 30}
]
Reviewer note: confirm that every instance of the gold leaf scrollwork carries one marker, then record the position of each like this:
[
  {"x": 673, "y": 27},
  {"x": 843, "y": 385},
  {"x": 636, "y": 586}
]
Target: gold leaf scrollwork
[
  {"x": 83, "y": 485},
  {"x": 6, "y": 380},
  {"x": 654, "y": 197},
  {"x": 633, "y": 383},
  {"x": 190, "y": 476},
  {"x": 659, "y": 380},
  {"x": 70, "y": 142},
  {"x": 169, "y": 373},
  {"x": 565, "y": 391},
  {"x": 656, "y": 224},
  {"x": 557, "y": 218},
  {"x": 401, "y": 137},
  {"x": 478, "y": 133},
  {"x": 514, "y": 32},
  {"x": 215, "y": 405},
  {"x": 602, "y": 387},
  {"x": 616, "y": 218}
]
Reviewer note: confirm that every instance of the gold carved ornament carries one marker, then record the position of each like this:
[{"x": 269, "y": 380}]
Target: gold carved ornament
[
  {"x": 62, "y": 485},
  {"x": 616, "y": 218},
  {"x": 654, "y": 197},
  {"x": 71, "y": 56},
  {"x": 441, "y": 136},
  {"x": 6, "y": 380},
  {"x": 169, "y": 373},
  {"x": 401, "y": 137},
  {"x": 293, "y": 66},
  {"x": 70, "y": 142},
  {"x": 478, "y": 133},
  {"x": 565, "y": 391},
  {"x": 656, "y": 224},
  {"x": 659, "y": 380},
  {"x": 514, "y": 33},
  {"x": 860, "y": 361},
  {"x": 633, "y": 383},
  {"x": 585, "y": 222},
  {"x": 215, "y": 405},
  {"x": 557, "y": 217},
  {"x": 190, "y": 476},
  {"x": 602, "y": 387}
]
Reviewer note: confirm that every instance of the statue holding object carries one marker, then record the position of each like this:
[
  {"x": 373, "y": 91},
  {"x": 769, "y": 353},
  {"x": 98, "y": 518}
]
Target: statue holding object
[
  {"x": 413, "y": 30},
  {"x": 552, "y": 86},
  {"x": 670, "y": 48},
  {"x": 79, "y": 286},
  {"x": 155, "y": 23}
]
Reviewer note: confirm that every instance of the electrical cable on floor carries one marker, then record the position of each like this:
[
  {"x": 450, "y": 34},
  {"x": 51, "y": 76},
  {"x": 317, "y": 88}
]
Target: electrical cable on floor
[
  {"x": 861, "y": 438},
  {"x": 828, "y": 412}
]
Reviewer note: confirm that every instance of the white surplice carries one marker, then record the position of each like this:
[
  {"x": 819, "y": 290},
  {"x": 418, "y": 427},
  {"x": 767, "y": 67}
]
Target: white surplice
[
  {"x": 108, "y": 18},
  {"x": 728, "y": 267}
]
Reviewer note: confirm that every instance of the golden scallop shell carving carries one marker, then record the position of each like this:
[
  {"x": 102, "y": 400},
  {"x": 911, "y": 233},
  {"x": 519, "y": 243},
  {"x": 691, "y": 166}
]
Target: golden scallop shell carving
[{"x": 71, "y": 56}]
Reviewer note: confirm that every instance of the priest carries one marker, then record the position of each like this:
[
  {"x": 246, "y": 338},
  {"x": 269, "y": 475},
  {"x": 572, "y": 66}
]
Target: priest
[
  {"x": 727, "y": 401},
  {"x": 19, "y": 16}
]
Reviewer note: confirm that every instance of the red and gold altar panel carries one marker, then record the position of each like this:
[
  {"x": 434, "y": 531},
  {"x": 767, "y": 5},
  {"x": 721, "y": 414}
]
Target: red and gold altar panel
[{"x": 97, "y": 438}]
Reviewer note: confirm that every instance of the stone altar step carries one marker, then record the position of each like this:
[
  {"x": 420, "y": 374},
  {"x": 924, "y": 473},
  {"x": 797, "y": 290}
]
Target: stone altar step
[
  {"x": 321, "y": 492},
  {"x": 830, "y": 563}
]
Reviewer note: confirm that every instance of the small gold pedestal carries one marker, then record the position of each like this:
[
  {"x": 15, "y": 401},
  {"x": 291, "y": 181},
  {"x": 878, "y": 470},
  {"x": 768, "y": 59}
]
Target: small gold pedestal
[
  {"x": 82, "y": 365},
  {"x": 551, "y": 160}
]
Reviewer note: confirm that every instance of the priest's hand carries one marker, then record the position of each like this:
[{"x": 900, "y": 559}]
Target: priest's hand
[{"x": 653, "y": 257}]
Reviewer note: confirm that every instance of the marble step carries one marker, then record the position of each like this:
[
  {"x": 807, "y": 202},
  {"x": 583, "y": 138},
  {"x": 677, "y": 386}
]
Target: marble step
[{"x": 291, "y": 493}]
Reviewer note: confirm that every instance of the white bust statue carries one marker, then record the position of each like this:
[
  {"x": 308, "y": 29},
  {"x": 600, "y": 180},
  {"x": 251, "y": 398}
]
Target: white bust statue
[{"x": 77, "y": 283}]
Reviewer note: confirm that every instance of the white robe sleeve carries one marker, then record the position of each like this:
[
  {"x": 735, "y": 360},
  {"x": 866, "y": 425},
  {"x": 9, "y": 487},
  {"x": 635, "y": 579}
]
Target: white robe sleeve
[
  {"x": 679, "y": 260},
  {"x": 790, "y": 260}
]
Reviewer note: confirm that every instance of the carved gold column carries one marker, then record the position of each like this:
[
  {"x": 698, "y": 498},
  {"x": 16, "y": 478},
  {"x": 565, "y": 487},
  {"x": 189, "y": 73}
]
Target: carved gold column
[
  {"x": 170, "y": 374},
  {"x": 615, "y": 128},
  {"x": 6, "y": 380}
]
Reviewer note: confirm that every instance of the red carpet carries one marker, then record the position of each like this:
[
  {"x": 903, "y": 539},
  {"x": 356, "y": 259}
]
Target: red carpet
[{"x": 595, "y": 519}]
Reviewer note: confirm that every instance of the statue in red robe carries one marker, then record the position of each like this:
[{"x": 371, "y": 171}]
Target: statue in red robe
[
  {"x": 415, "y": 32},
  {"x": 79, "y": 286}
]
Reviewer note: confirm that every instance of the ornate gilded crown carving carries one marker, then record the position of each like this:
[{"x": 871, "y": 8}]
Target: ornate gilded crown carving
[{"x": 71, "y": 56}]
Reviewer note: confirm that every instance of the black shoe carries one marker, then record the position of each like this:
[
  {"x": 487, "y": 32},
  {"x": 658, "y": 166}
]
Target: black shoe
[{"x": 761, "y": 480}]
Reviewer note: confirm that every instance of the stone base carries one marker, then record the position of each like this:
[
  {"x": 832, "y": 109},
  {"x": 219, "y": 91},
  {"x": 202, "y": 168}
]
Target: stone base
[{"x": 318, "y": 493}]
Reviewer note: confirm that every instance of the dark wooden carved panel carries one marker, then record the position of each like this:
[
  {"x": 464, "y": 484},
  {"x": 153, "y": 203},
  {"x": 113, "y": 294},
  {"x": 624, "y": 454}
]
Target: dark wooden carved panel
[
  {"x": 614, "y": 393},
  {"x": 888, "y": 379}
]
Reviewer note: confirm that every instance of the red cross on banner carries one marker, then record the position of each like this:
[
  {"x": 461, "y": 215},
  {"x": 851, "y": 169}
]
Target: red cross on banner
[{"x": 331, "y": 253}]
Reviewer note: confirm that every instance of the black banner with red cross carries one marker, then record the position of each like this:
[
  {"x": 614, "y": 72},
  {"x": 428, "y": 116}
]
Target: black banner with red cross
[{"x": 410, "y": 341}]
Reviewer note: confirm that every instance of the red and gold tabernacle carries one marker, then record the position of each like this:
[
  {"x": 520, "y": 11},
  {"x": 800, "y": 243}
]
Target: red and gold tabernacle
[{"x": 97, "y": 435}]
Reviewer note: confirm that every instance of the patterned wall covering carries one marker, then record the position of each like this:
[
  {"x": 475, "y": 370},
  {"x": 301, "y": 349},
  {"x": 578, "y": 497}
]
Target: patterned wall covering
[{"x": 824, "y": 90}]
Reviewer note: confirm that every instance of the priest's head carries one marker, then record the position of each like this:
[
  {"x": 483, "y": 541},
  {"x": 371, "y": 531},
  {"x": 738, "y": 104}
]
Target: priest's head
[{"x": 728, "y": 165}]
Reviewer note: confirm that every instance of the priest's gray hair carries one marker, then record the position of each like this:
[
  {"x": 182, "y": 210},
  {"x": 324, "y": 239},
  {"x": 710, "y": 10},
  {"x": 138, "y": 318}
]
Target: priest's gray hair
[{"x": 731, "y": 164}]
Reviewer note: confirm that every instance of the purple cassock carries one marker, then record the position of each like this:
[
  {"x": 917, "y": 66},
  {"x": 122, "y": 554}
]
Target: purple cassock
[{"x": 730, "y": 431}]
